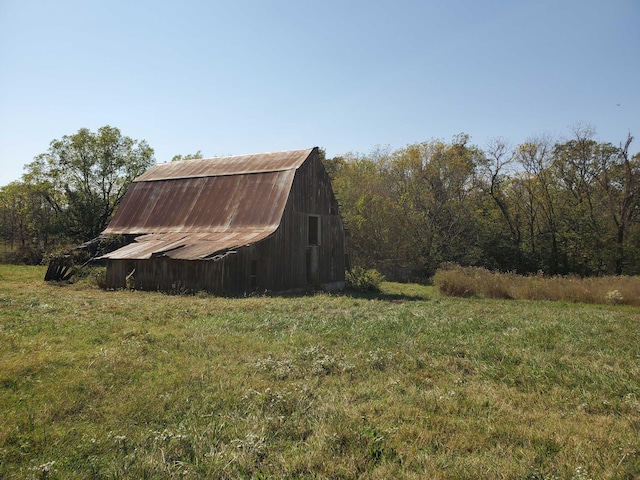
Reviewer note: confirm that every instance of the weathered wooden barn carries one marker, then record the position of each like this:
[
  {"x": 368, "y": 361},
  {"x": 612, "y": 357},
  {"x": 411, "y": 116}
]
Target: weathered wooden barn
[{"x": 234, "y": 225}]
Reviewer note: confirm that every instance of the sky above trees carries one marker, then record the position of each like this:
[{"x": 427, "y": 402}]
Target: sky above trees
[{"x": 243, "y": 76}]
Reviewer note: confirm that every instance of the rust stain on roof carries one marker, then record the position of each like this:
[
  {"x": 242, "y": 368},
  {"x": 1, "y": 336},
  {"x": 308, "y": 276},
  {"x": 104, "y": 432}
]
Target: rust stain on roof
[
  {"x": 187, "y": 246},
  {"x": 195, "y": 209},
  {"x": 241, "y": 164},
  {"x": 203, "y": 204}
]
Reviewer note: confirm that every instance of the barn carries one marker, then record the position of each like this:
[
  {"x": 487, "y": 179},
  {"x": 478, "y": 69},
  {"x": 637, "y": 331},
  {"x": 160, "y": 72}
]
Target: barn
[{"x": 231, "y": 225}]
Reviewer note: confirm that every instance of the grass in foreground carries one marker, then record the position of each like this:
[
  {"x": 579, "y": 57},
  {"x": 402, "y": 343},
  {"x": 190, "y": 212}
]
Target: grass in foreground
[{"x": 405, "y": 384}]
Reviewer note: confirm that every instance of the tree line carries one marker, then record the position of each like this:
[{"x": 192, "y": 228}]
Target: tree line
[
  {"x": 560, "y": 207},
  {"x": 569, "y": 206},
  {"x": 68, "y": 194}
]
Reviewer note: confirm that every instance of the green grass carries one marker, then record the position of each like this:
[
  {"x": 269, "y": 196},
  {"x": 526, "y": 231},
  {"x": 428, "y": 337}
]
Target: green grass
[{"x": 402, "y": 384}]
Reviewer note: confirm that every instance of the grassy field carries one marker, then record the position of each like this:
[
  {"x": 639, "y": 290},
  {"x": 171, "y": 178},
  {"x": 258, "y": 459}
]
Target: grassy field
[{"x": 403, "y": 384}]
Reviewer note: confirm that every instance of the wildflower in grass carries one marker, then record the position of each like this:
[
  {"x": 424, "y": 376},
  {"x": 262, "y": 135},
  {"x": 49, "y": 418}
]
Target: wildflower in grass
[
  {"x": 324, "y": 365},
  {"x": 631, "y": 400},
  {"x": 251, "y": 443},
  {"x": 614, "y": 297},
  {"x": 120, "y": 441},
  {"x": 45, "y": 469},
  {"x": 581, "y": 474},
  {"x": 280, "y": 369},
  {"x": 167, "y": 435},
  {"x": 379, "y": 360}
]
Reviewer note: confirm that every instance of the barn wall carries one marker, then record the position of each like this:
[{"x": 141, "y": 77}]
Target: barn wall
[
  {"x": 177, "y": 276},
  {"x": 230, "y": 275},
  {"x": 311, "y": 194},
  {"x": 117, "y": 273}
]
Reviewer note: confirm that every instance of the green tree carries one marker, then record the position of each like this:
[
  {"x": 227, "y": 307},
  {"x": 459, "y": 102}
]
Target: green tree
[
  {"x": 29, "y": 225},
  {"x": 587, "y": 234},
  {"x": 508, "y": 220},
  {"x": 371, "y": 217},
  {"x": 620, "y": 181},
  {"x": 540, "y": 202},
  {"x": 410, "y": 209},
  {"x": 493, "y": 175},
  {"x": 189, "y": 156},
  {"x": 93, "y": 172},
  {"x": 570, "y": 206},
  {"x": 434, "y": 183}
]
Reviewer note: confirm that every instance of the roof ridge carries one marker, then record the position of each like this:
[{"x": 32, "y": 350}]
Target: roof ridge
[
  {"x": 227, "y": 165},
  {"x": 217, "y": 157}
]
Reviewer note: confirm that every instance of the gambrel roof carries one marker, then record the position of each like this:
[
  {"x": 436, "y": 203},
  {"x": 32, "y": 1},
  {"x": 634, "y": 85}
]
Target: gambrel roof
[{"x": 199, "y": 209}]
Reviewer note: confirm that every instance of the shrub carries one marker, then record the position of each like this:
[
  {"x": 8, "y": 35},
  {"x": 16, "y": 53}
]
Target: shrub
[
  {"x": 363, "y": 280},
  {"x": 28, "y": 255},
  {"x": 91, "y": 276},
  {"x": 456, "y": 281}
]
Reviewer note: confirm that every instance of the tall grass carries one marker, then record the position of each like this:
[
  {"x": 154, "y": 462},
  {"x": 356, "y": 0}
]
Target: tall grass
[
  {"x": 472, "y": 281},
  {"x": 401, "y": 384}
]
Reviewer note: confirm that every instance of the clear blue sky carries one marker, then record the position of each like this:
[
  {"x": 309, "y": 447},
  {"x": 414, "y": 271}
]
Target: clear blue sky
[{"x": 248, "y": 76}]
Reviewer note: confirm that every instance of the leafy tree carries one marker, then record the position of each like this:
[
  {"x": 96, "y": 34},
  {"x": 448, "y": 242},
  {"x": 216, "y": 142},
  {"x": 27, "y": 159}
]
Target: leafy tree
[
  {"x": 570, "y": 206},
  {"x": 29, "y": 224},
  {"x": 586, "y": 234},
  {"x": 190, "y": 156},
  {"x": 370, "y": 215},
  {"x": 93, "y": 172},
  {"x": 411, "y": 208},
  {"x": 494, "y": 181},
  {"x": 434, "y": 183},
  {"x": 619, "y": 179},
  {"x": 541, "y": 202}
]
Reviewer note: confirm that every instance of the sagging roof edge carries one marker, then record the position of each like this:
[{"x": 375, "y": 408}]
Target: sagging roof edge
[{"x": 146, "y": 246}]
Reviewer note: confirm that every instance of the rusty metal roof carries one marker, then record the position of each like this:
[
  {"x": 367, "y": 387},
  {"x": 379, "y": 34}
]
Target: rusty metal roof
[
  {"x": 195, "y": 209},
  {"x": 203, "y": 204},
  {"x": 186, "y": 246},
  {"x": 242, "y": 164}
]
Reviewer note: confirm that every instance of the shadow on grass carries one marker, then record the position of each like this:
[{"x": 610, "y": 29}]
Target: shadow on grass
[
  {"x": 388, "y": 297},
  {"x": 392, "y": 297},
  {"x": 346, "y": 293}
]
